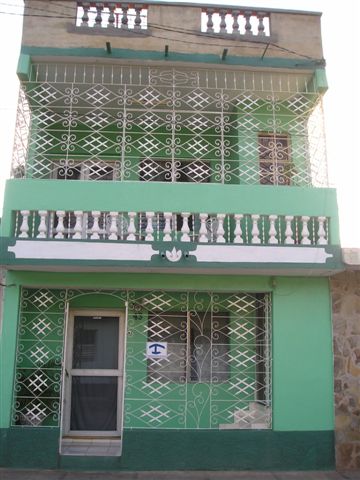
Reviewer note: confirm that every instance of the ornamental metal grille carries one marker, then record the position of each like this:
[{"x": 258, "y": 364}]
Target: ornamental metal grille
[
  {"x": 218, "y": 370},
  {"x": 173, "y": 125},
  {"x": 217, "y": 373},
  {"x": 38, "y": 359}
]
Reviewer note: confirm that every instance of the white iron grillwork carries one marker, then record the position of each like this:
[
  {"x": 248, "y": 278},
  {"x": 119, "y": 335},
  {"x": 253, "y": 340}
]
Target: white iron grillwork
[
  {"x": 235, "y": 228},
  {"x": 39, "y": 357},
  {"x": 152, "y": 124},
  {"x": 224, "y": 372},
  {"x": 218, "y": 363}
]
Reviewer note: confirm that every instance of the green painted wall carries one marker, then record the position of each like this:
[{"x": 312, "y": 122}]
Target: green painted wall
[
  {"x": 176, "y": 197},
  {"x": 121, "y": 53},
  {"x": 302, "y": 394},
  {"x": 302, "y": 355},
  {"x": 177, "y": 450}
]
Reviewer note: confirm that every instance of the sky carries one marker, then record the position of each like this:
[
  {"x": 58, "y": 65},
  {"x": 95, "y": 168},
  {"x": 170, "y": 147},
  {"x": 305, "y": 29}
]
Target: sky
[{"x": 341, "y": 50}]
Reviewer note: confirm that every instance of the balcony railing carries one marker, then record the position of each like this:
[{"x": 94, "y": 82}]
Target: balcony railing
[
  {"x": 115, "y": 16},
  {"x": 238, "y": 228}
]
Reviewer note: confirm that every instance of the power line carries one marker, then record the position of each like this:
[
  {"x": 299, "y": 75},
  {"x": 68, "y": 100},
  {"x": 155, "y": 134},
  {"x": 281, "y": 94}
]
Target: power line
[{"x": 168, "y": 29}]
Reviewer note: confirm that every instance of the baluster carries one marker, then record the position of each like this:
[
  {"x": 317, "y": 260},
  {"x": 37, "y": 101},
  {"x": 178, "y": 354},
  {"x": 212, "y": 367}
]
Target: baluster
[
  {"x": 111, "y": 19},
  {"x": 210, "y": 23},
  {"x": 255, "y": 229},
  {"x": 222, "y": 14},
  {"x": 78, "y": 224},
  {"x": 203, "y": 232},
  {"x": 131, "y": 227},
  {"x": 98, "y": 18},
  {"x": 237, "y": 231},
  {"x": 185, "y": 229},
  {"x": 220, "y": 229},
  {"x": 288, "y": 230},
  {"x": 42, "y": 225},
  {"x": 124, "y": 18},
  {"x": 149, "y": 226},
  {"x": 167, "y": 227},
  {"x": 247, "y": 15},
  {"x": 261, "y": 26},
  {"x": 113, "y": 229},
  {"x": 24, "y": 227},
  {"x": 272, "y": 230},
  {"x": 305, "y": 240},
  {"x": 95, "y": 228},
  {"x": 322, "y": 240},
  {"x": 60, "y": 226},
  {"x": 137, "y": 21},
  {"x": 85, "y": 16},
  {"x": 235, "y": 25}
]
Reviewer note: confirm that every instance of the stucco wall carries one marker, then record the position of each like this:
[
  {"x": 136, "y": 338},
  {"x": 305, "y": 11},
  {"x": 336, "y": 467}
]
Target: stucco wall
[
  {"x": 298, "y": 35},
  {"x": 346, "y": 320}
]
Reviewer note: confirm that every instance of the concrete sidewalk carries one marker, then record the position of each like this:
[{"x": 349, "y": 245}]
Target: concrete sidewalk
[{"x": 6, "y": 474}]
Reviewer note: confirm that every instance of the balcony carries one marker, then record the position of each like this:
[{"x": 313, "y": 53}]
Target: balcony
[
  {"x": 165, "y": 124},
  {"x": 244, "y": 229}
]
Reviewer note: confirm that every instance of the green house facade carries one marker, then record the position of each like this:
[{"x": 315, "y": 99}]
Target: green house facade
[{"x": 167, "y": 238}]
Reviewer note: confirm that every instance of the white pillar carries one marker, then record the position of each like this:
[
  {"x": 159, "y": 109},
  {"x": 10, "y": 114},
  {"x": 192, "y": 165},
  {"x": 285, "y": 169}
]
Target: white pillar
[
  {"x": 255, "y": 229},
  {"x": 185, "y": 229},
  {"x": 60, "y": 226},
  {"x": 272, "y": 230},
  {"x": 24, "y": 227},
  {"x": 113, "y": 229},
  {"x": 78, "y": 224},
  {"x": 42, "y": 225},
  {"x": 203, "y": 232}
]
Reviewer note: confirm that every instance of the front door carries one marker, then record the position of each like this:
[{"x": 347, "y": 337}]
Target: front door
[{"x": 93, "y": 376}]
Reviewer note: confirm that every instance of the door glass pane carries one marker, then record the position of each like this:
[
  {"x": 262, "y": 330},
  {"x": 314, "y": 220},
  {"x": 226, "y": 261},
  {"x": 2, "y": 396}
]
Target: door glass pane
[
  {"x": 93, "y": 403},
  {"x": 96, "y": 342}
]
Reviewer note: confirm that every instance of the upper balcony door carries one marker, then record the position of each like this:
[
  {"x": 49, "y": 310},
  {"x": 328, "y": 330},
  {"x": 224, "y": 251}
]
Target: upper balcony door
[{"x": 93, "y": 391}]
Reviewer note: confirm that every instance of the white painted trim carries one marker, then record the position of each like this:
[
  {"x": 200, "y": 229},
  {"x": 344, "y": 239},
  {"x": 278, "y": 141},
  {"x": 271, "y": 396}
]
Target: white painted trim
[
  {"x": 260, "y": 254},
  {"x": 60, "y": 250}
]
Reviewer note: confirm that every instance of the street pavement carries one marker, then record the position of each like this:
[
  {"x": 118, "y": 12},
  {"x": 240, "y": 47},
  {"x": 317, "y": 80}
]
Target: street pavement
[{"x": 12, "y": 474}]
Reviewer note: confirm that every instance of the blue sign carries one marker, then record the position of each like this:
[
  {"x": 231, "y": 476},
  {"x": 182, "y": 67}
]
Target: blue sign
[{"x": 156, "y": 350}]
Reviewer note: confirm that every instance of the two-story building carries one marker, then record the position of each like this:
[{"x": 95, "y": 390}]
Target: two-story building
[{"x": 167, "y": 235}]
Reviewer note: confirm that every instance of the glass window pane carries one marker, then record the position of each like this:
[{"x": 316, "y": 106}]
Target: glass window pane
[
  {"x": 96, "y": 341},
  {"x": 93, "y": 403}
]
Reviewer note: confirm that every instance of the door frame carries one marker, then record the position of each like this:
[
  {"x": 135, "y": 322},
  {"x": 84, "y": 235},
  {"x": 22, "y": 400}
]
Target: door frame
[{"x": 68, "y": 372}]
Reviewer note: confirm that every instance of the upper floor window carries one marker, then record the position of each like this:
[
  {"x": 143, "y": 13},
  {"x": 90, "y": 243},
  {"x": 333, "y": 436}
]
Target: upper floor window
[{"x": 274, "y": 158}]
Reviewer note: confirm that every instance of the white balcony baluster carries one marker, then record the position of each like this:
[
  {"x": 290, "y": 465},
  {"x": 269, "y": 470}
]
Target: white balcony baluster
[
  {"x": 95, "y": 230},
  {"x": 322, "y": 240},
  {"x": 167, "y": 227},
  {"x": 203, "y": 232},
  {"x": 235, "y": 25},
  {"x": 42, "y": 225},
  {"x": 98, "y": 18},
  {"x": 272, "y": 230},
  {"x": 24, "y": 227},
  {"x": 222, "y": 14},
  {"x": 60, "y": 226},
  {"x": 78, "y": 224},
  {"x": 237, "y": 231},
  {"x": 131, "y": 227},
  {"x": 289, "y": 240},
  {"x": 305, "y": 240},
  {"x": 185, "y": 229},
  {"x": 220, "y": 228},
  {"x": 255, "y": 229},
  {"x": 113, "y": 229},
  {"x": 210, "y": 23},
  {"x": 248, "y": 25},
  {"x": 149, "y": 227}
]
